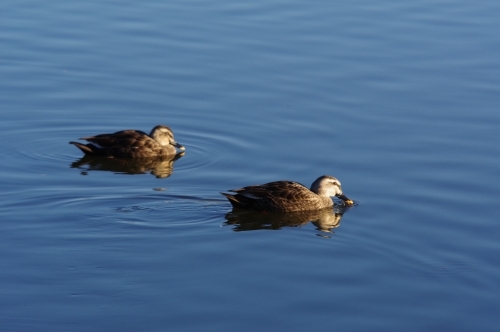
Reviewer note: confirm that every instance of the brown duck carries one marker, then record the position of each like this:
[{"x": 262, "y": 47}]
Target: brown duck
[
  {"x": 288, "y": 196},
  {"x": 132, "y": 144}
]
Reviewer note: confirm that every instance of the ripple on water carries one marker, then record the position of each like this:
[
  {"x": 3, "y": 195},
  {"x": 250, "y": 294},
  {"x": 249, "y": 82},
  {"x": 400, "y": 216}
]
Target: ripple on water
[
  {"x": 94, "y": 211},
  {"x": 41, "y": 144},
  {"x": 165, "y": 212},
  {"x": 42, "y": 179},
  {"x": 199, "y": 152},
  {"x": 49, "y": 145}
]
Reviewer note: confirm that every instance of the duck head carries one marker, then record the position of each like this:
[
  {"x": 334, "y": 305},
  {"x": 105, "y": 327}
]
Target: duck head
[
  {"x": 327, "y": 185},
  {"x": 164, "y": 135}
]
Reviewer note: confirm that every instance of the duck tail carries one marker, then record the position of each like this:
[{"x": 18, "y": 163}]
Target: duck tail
[
  {"x": 88, "y": 149},
  {"x": 233, "y": 199}
]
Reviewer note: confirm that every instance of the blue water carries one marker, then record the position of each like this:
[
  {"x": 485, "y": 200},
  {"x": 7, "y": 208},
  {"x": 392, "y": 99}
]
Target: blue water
[{"x": 397, "y": 100}]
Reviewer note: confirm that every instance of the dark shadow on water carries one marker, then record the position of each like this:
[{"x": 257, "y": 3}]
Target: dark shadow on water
[
  {"x": 324, "y": 220},
  {"x": 159, "y": 167}
]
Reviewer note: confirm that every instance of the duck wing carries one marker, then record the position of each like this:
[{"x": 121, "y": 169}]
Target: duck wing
[
  {"x": 123, "y": 138},
  {"x": 123, "y": 144},
  {"x": 282, "y": 196},
  {"x": 283, "y": 189}
]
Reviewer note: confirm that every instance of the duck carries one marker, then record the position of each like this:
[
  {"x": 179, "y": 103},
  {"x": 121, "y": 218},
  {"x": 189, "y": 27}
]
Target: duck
[
  {"x": 132, "y": 144},
  {"x": 288, "y": 196}
]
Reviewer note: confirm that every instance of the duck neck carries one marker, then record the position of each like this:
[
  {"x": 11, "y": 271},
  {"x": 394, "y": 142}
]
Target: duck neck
[
  {"x": 327, "y": 201},
  {"x": 159, "y": 139}
]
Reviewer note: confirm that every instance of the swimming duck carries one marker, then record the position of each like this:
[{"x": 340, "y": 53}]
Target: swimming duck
[
  {"x": 288, "y": 196},
  {"x": 132, "y": 144}
]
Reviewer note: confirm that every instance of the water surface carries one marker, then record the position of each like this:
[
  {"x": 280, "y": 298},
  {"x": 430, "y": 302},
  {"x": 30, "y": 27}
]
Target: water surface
[{"x": 399, "y": 101}]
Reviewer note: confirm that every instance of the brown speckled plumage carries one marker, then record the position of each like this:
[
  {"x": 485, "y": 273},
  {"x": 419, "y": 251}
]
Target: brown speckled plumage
[
  {"x": 288, "y": 196},
  {"x": 132, "y": 144}
]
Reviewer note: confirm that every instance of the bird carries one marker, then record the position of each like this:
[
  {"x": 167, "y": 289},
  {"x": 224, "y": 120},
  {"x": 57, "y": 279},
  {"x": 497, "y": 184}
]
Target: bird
[
  {"x": 288, "y": 196},
  {"x": 132, "y": 144}
]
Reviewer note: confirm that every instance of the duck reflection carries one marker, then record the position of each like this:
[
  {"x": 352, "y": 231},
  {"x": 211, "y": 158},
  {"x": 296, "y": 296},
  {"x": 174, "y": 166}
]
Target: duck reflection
[
  {"x": 325, "y": 220},
  {"x": 160, "y": 167}
]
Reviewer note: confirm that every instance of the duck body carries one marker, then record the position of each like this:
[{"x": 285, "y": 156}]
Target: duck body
[
  {"x": 131, "y": 144},
  {"x": 288, "y": 196}
]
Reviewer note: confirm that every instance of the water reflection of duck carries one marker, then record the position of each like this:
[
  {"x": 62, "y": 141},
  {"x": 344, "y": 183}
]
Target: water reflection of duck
[
  {"x": 325, "y": 220},
  {"x": 132, "y": 144},
  {"x": 288, "y": 196},
  {"x": 160, "y": 167}
]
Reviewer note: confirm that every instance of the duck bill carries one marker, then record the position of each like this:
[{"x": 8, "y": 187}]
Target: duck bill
[
  {"x": 346, "y": 200},
  {"x": 178, "y": 146}
]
